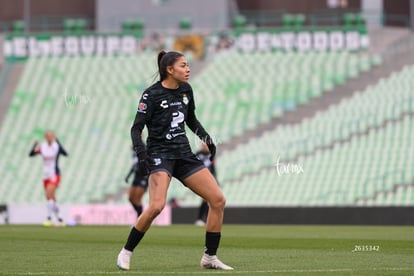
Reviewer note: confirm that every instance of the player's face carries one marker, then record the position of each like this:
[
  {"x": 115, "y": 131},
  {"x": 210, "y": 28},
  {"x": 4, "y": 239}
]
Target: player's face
[
  {"x": 180, "y": 71},
  {"x": 49, "y": 137}
]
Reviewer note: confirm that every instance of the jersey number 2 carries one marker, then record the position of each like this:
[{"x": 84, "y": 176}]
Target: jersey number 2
[{"x": 178, "y": 117}]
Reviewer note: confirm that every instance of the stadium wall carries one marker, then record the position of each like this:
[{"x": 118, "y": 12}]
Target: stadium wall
[
  {"x": 162, "y": 14},
  {"x": 306, "y": 215},
  {"x": 11, "y": 10},
  {"x": 87, "y": 214}
]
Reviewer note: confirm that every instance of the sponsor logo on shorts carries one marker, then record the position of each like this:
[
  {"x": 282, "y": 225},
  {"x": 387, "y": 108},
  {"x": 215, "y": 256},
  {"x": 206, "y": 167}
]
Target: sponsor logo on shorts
[{"x": 157, "y": 161}]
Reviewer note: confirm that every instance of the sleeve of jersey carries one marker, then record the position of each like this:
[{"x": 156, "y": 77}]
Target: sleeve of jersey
[
  {"x": 143, "y": 114},
  {"x": 34, "y": 150},
  {"x": 194, "y": 124},
  {"x": 61, "y": 149}
]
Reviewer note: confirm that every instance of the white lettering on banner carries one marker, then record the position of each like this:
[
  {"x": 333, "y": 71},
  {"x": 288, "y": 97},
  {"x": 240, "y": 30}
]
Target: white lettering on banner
[
  {"x": 247, "y": 43},
  {"x": 7, "y": 49},
  {"x": 337, "y": 41},
  {"x": 302, "y": 41},
  {"x": 263, "y": 42},
  {"x": 288, "y": 41},
  {"x": 275, "y": 42},
  {"x": 87, "y": 44},
  {"x": 320, "y": 41},
  {"x": 352, "y": 42},
  {"x": 112, "y": 45},
  {"x": 100, "y": 46},
  {"x": 56, "y": 49},
  {"x": 22, "y": 47},
  {"x": 128, "y": 45},
  {"x": 44, "y": 47},
  {"x": 71, "y": 46},
  {"x": 33, "y": 47},
  {"x": 19, "y": 45}
]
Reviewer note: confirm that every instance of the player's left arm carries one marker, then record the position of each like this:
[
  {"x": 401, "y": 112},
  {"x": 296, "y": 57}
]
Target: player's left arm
[
  {"x": 194, "y": 124},
  {"x": 62, "y": 149}
]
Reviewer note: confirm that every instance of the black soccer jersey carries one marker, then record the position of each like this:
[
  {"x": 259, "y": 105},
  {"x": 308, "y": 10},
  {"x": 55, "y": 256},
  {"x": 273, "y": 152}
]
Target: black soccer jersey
[{"x": 165, "y": 111}]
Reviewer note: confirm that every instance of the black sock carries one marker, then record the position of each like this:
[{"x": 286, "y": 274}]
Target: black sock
[
  {"x": 138, "y": 209},
  {"x": 202, "y": 211},
  {"x": 212, "y": 242},
  {"x": 134, "y": 238}
]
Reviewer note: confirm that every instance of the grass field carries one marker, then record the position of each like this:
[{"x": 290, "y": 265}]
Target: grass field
[{"x": 176, "y": 250}]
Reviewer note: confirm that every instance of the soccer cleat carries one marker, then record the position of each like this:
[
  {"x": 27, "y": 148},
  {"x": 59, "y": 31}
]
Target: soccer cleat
[
  {"x": 199, "y": 222},
  {"x": 47, "y": 223},
  {"x": 124, "y": 258},
  {"x": 61, "y": 224},
  {"x": 212, "y": 262}
]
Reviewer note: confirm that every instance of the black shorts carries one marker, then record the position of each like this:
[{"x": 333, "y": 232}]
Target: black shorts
[
  {"x": 178, "y": 168},
  {"x": 140, "y": 181}
]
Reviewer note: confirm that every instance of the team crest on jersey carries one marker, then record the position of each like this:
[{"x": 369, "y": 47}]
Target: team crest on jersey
[
  {"x": 142, "y": 107},
  {"x": 185, "y": 99}
]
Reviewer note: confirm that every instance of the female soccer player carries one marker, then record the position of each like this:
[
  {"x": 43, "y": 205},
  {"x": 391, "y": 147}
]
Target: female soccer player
[
  {"x": 138, "y": 187},
  {"x": 165, "y": 108},
  {"x": 50, "y": 151}
]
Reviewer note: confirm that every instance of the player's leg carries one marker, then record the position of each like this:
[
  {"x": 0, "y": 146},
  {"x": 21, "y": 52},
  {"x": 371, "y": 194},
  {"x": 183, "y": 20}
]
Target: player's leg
[
  {"x": 49, "y": 202},
  {"x": 202, "y": 213},
  {"x": 135, "y": 198},
  {"x": 137, "y": 191},
  {"x": 53, "y": 207},
  {"x": 204, "y": 184},
  {"x": 158, "y": 187}
]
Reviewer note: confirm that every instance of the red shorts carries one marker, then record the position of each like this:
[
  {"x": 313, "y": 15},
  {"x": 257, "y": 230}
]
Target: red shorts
[{"x": 55, "y": 180}]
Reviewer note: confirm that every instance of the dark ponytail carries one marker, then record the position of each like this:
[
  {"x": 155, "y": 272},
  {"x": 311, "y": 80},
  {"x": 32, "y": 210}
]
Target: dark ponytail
[{"x": 166, "y": 59}]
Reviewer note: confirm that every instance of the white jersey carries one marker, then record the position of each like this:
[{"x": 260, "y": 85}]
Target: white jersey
[{"x": 50, "y": 154}]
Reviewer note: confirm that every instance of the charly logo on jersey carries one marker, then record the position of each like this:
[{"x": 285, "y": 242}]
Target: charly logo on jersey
[
  {"x": 157, "y": 161},
  {"x": 164, "y": 104},
  {"x": 185, "y": 99}
]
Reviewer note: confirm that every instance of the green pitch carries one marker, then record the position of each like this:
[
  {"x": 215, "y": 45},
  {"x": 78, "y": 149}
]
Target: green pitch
[{"x": 176, "y": 250}]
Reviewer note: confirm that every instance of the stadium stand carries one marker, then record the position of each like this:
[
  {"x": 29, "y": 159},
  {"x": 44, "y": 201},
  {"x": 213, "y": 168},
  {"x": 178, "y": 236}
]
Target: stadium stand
[
  {"x": 358, "y": 152},
  {"x": 89, "y": 103},
  {"x": 251, "y": 89},
  {"x": 69, "y": 94}
]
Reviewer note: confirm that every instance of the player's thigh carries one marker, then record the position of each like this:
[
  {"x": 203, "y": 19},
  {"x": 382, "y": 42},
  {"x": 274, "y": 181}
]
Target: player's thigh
[
  {"x": 50, "y": 189},
  {"x": 205, "y": 185}
]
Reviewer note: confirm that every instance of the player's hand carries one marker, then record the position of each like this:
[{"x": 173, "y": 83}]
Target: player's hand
[
  {"x": 212, "y": 149},
  {"x": 144, "y": 163}
]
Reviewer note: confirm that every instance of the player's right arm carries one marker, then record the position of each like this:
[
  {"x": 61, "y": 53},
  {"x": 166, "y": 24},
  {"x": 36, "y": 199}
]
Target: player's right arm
[
  {"x": 35, "y": 149},
  {"x": 142, "y": 116}
]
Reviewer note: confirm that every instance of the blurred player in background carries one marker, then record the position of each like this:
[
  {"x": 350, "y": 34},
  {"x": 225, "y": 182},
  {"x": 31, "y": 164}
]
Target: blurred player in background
[
  {"x": 165, "y": 108},
  {"x": 50, "y": 150},
  {"x": 138, "y": 187},
  {"x": 204, "y": 155}
]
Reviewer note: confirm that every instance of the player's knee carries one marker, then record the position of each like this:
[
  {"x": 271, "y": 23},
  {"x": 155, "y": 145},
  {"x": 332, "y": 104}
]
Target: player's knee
[
  {"x": 156, "y": 209},
  {"x": 218, "y": 202}
]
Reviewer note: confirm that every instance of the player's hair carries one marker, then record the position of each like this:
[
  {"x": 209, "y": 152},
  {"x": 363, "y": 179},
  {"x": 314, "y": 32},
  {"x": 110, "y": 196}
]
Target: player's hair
[{"x": 166, "y": 59}]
